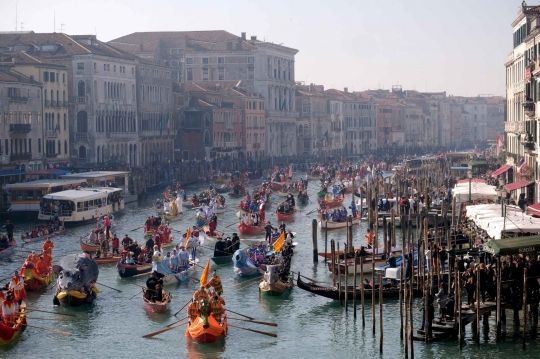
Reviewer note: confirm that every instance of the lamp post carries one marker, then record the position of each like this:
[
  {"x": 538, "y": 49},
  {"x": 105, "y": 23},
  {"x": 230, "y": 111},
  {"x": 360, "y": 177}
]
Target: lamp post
[{"x": 470, "y": 176}]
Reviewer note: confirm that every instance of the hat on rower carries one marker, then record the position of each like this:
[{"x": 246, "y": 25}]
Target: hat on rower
[{"x": 235, "y": 234}]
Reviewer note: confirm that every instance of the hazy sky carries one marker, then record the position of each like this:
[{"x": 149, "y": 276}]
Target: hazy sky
[{"x": 458, "y": 46}]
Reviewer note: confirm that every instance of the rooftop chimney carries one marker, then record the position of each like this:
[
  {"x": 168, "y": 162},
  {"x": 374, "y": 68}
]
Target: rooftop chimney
[
  {"x": 243, "y": 36},
  {"x": 346, "y": 89},
  {"x": 254, "y": 38}
]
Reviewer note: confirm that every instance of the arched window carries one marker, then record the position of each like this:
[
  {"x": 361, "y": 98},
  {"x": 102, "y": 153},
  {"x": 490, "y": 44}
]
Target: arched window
[
  {"x": 206, "y": 138},
  {"x": 82, "y": 122},
  {"x": 207, "y": 120},
  {"x": 81, "y": 89},
  {"x": 82, "y": 152}
]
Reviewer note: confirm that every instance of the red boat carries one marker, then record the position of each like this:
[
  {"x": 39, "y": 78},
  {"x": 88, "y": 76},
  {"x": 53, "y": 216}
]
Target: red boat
[
  {"x": 10, "y": 333},
  {"x": 249, "y": 230},
  {"x": 278, "y": 186},
  {"x": 33, "y": 281},
  {"x": 286, "y": 216},
  {"x": 157, "y": 307},
  {"x": 336, "y": 202},
  {"x": 207, "y": 331}
]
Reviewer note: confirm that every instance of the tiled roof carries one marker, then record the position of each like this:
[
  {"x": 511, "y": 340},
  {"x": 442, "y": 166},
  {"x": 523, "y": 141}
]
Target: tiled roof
[
  {"x": 338, "y": 95},
  {"x": 14, "y": 77}
]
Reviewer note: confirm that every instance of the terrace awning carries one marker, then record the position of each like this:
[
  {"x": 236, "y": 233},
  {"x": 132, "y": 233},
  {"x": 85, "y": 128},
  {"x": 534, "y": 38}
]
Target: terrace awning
[
  {"x": 516, "y": 185},
  {"x": 511, "y": 246},
  {"x": 500, "y": 171}
]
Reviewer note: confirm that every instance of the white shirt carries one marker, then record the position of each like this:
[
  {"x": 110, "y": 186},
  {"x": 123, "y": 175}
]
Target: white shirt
[{"x": 428, "y": 254}]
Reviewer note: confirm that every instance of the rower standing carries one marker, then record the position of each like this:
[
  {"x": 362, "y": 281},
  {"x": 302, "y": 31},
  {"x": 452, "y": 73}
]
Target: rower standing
[{"x": 215, "y": 282}]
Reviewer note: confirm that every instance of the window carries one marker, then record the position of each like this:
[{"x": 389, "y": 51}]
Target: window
[
  {"x": 38, "y": 145},
  {"x": 220, "y": 60},
  {"x": 65, "y": 147},
  {"x": 30, "y": 145},
  {"x": 189, "y": 60},
  {"x": 63, "y": 78},
  {"x": 251, "y": 74},
  {"x": 251, "y": 60},
  {"x": 205, "y": 74},
  {"x": 189, "y": 74},
  {"x": 221, "y": 74},
  {"x": 46, "y": 76},
  {"x": 114, "y": 68},
  {"x": 81, "y": 91},
  {"x": 80, "y": 66},
  {"x": 133, "y": 71},
  {"x": 65, "y": 123},
  {"x": 51, "y": 77},
  {"x": 205, "y": 60},
  {"x": 174, "y": 51},
  {"x": 104, "y": 67},
  {"x": 174, "y": 63},
  {"x": 108, "y": 67},
  {"x": 38, "y": 94}
]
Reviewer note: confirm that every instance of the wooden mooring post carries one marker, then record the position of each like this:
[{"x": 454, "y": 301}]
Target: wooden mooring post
[
  {"x": 346, "y": 274},
  {"x": 381, "y": 329},
  {"x": 339, "y": 277},
  {"x": 333, "y": 260},
  {"x": 525, "y": 312},
  {"x": 325, "y": 239},
  {"x": 354, "y": 284},
  {"x": 314, "y": 238},
  {"x": 362, "y": 291}
]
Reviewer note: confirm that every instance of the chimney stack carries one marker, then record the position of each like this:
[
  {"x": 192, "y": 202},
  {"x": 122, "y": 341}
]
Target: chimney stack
[
  {"x": 243, "y": 36},
  {"x": 346, "y": 89},
  {"x": 253, "y": 38}
]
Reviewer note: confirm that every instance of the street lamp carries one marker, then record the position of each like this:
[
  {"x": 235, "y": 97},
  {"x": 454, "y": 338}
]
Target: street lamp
[
  {"x": 470, "y": 176},
  {"x": 501, "y": 193}
]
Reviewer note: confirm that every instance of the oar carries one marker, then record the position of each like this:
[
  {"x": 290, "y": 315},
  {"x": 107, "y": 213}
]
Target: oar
[
  {"x": 135, "y": 295},
  {"x": 50, "y": 330},
  {"x": 175, "y": 314},
  {"x": 255, "y": 331},
  {"x": 254, "y": 321},
  {"x": 242, "y": 315},
  {"x": 41, "y": 318},
  {"x": 173, "y": 323},
  {"x": 307, "y": 214},
  {"x": 143, "y": 287},
  {"x": 106, "y": 286},
  {"x": 232, "y": 224},
  {"x": 140, "y": 275},
  {"x": 137, "y": 228},
  {"x": 249, "y": 285},
  {"x": 163, "y": 331},
  {"x": 312, "y": 280},
  {"x": 44, "y": 311}
]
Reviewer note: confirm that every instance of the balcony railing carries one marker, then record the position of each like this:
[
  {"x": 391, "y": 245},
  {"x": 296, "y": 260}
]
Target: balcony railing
[
  {"x": 81, "y": 99},
  {"x": 52, "y": 155},
  {"x": 51, "y": 133},
  {"x": 230, "y": 144},
  {"x": 18, "y": 99},
  {"x": 20, "y": 156},
  {"x": 47, "y": 103},
  {"x": 20, "y": 127},
  {"x": 528, "y": 107},
  {"x": 81, "y": 136}
]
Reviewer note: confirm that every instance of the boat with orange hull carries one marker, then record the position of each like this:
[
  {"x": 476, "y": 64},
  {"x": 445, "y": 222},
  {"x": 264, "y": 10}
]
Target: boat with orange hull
[
  {"x": 33, "y": 281},
  {"x": 157, "y": 307},
  {"x": 205, "y": 330},
  {"x": 249, "y": 230},
  {"x": 336, "y": 202},
  {"x": 107, "y": 259},
  {"x": 286, "y": 216},
  {"x": 89, "y": 247},
  {"x": 10, "y": 333}
]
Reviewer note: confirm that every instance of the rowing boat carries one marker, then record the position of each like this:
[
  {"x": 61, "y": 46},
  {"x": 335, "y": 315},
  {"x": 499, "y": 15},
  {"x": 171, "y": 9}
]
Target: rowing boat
[
  {"x": 89, "y": 247},
  {"x": 288, "y": 216},
  {"x": 6, "y": 253},
  {"x": 109, "y": 258},
  {"x": 221, "y": 260},
  {"x": 157, "y": 307},
  {"x": 130, "y": 270},
  {"x": 249, "y": 230},
  {"x": 272, "y": 285},
  {"x": 33, "y": 281},
  {"x": 213, "y": 238},
  {"x": 28, "y": 239},
  {"x": 206, "y": 329},
  {"x": 329, "y": 225},
  {"x": 10, "y": 333},
  {"x": 336, "y": 202}
]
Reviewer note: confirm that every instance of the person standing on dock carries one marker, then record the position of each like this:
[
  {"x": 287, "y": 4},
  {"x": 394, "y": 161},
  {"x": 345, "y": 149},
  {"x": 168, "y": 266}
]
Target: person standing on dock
[
  {"x": 428, "y": 257},
  {"x": 369, "y": 238}
]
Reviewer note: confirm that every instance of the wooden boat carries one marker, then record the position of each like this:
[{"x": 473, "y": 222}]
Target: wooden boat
[
  {"x": 380, "y": 260},
  {"x": 333, "y": 292},
  {"x": 200, "y": 221},
  {"x": 329, "y": 225},
  {"x": 277, "y": 186},
  {"x": 380, "y": 249},
  {"x": 74, "y": 298},
  {"x": 286, "y": 216},
  {"x": 213, "y": 238},
  {"x": 89, "y": 247},
  {"x": 10, "y": 333},
  {"x": 221, "y": 260},
  {"x": 169, "y": 217},
  {"x": 302, "y": 200},
  {"x": 108, "y": 259},
  {"x": 157, "y": 307},
  {"x": 223, "y": 189},
  {"x": 205, "y": 329},
  {"x": 33, "y": 281},
  {"x": 28, "y": 239},
  {"x": 236, "y": 195},
  {"x": 272, "y": 285},
  {"x": 130, "y": 270},
  {"x": 6, "y": 253},
  {"x": 249, "y": 230},
  {"x": 221, "y": 209},
  {"x": 336, "y": 202}
]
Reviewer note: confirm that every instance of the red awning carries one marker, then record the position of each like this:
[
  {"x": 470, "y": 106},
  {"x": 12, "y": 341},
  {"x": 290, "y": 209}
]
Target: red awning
[
  {"x": 474, "y": 180},
  {"x": 500, "y": 171},
  {"x": 534, "y": 209},
  {"x": 516, "y": 185}
]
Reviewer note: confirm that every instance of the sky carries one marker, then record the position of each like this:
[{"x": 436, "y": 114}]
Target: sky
[{"x": 457, "y": 46}]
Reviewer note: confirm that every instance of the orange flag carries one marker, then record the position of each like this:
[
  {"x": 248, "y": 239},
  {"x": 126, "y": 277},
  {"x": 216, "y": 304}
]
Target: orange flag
[
  {"x": 204, "y": 275},
  {"x": 188, "y": 234},
  {"x": 279, "y": 242}
]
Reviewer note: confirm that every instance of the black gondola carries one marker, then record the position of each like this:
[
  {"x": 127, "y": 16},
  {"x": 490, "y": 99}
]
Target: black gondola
[{"x": 130, "y": 270}]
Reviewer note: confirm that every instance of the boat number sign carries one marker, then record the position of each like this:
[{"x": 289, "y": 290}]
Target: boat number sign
[{"x": 527, "y": 249}]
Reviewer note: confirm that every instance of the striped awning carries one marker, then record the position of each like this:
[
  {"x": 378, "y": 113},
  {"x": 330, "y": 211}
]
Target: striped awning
[{"x": 500, "y": 171}]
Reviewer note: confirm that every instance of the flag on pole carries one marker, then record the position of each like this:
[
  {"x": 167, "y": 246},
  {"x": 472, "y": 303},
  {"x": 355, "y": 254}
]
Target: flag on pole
[
  {"x": 522, "y": 165},
  {"x": 204, "y": 275},
  {"x": 279, "y": 242},
  {"x": 498, "y": 144},
  {"x": 188, "y": 234}
]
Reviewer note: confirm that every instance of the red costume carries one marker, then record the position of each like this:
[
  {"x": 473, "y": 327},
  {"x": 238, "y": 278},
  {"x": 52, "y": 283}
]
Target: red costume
[
  {"x": 17, "y": 284},
  {"x": 212, "y": 227},
  {"x": 157, "y": 241}
]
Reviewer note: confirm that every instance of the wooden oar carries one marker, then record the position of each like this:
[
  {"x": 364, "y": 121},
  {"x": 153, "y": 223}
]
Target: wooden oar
[
  {"x": 249, "y": 285},
  {"x": 143, "y": 287},
  {"x": 179, "y": 320},
  {"x": 140, "y": 275},
  {"x": 175, "y": 314},
  {"x": 232, "y": 224},
  {"x": 106, "y": 286},
  {"x": 41, "y": 318},
  {"x": 307, "y": 214},
  {"x": 163, "y": 330},
  {"x": 44, "y": 311},
  {"x": 137, "y": 228},
  {"x": 303, "y": 276},
  {"x": 254, "y": 321},
  {"x": 242, "y": 315},
  {"x": 255, "y": 331},
  {"x": 135, "y": 295},
  {"x": 50, "y": 330}
]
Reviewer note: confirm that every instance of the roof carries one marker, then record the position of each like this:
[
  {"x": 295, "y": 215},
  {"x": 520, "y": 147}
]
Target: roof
[
  {"x": 226, "y": 88},
  {"x": 516, "y": 185},
  {"x": 339, "y": 95},
  {"x": 12, "y": 76},
  {"x": 500, "y": 171},
  {"x": 43, "y": 183},
  {"x": 95, "y": 174},
  {"x": 67, "y": 46},
  {"x": 87, "y": 193},
  {"x": 511, "y": 246}
]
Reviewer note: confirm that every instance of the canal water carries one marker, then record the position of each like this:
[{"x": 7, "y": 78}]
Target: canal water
[{"x": 309, "y": 325}]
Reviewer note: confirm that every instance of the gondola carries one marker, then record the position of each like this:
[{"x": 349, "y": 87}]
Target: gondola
[
  {"x": 302, "y": 199},
  {"x": 107, "y": 259},
  {"x": 89, "y": 247},
  {"x": 249, "y": 230},
  {"x": 221, "y": 260},
  {"x": 130, "y": 270},
  {"x": 157, "y": 307},
  {"x": 10, "y": 333},
  {"x": 288, "y": 216},
  {"x": 7, "y": 252},
  {"x": 28, "y": 239},
  {"x": 333, "y": 292}
]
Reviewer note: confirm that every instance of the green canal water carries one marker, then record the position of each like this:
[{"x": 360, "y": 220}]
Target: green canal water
[{"x": 309, "y": 326}]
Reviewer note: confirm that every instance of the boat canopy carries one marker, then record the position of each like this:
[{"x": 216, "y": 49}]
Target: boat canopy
[{"x": 83, "y": 194}]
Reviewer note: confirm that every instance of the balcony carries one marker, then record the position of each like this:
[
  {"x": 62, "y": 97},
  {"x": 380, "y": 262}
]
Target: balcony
[
  {"x": 52, "y": 155},
  {"x": 47, "y": 103},
  {"x": 528, "y": 146},
  {"x": 51, "y": 134},
  {"x": 81, "y": 99},
  {"x": 230, "y": 144},
  {"x": 18, "y": 99},
  {"x": 81, "y": 136},
  {"x": 528, "y": 107},
  {"x": 20, "y": 157},
  {"x": 20, "y": 128}
]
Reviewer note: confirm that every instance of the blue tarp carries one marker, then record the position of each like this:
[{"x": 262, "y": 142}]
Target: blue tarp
[{"x": 10, "y": 173}]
